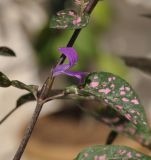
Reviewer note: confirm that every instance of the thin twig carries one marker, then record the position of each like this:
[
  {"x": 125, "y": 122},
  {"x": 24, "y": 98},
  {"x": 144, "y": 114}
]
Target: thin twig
[
  {"x": 46, "y": 88},
  {"x": 8, "y": 114}
]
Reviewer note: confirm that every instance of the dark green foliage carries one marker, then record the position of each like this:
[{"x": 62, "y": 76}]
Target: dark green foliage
[
  {"x": 5, "y": 82},
  {"x": 24, "y": 99},
  {"x": 69, "y": 19},
  {"x": 31, "y": 88},
  {"x": 111, "y": 152},
  {"x": 5, "y": 51},
  {"x": 144, "y": 64}
]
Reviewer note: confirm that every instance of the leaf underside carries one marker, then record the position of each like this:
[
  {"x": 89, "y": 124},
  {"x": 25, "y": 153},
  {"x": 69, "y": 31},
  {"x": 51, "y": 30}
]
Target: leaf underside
[
  {"x": 5, "y": 51},
  {"x": 69, "y": 19},
  {"x": 111, "y": 152}
]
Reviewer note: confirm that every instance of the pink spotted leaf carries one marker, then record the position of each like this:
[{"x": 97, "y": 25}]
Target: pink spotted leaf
[
  {"x": 69, "y": 19},
  {"x": 116, "y": 93},
  {"x": 102, "y": 152}
]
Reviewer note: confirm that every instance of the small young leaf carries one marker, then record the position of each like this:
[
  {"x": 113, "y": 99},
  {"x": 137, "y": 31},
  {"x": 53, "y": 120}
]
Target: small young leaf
[
  {"x": 5, "y": 51},
  {"x": 69, "y": 19},
  {"x": 4, "y": 81},
  {"x": 111, "y": 152}
]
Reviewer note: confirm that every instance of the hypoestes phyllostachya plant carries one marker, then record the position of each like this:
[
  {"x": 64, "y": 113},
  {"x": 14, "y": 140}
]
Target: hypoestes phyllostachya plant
[{"x": 114, "y": 93}]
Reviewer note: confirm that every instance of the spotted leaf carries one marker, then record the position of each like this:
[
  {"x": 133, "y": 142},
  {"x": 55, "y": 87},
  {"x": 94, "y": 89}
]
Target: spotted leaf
[
  {"x": 69, "y": 19},
  {"x": 101, "y": 152},
  {"x": 5, "y": 51},
  {"x": 121, "y": 125},
  {"x": 117, "y": 93},
  {"x": 124, "y": 112}
]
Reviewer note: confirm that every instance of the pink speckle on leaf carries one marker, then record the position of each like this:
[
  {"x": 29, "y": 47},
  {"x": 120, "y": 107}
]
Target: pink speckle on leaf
[
  {"x": 122, "y": 88},
  {"x": 121, "y": 152},
  {"x": 132, "y": 111},
  {"x": 100, "y": 157},
  {"x": 106, "y": 91},
  {"x": 125, "y": 99},
  {"x": 135, "y": 101},
  {"x": 110, "y": 79},
  {"x": 129, "y": 155},
  {"x": 77, "y": 21},
  {"x": 138, "y": 155},
  {"x": 127, "y": 88},
  {"x": 112, "y": 85},
  {"x": 71, "y": 13},
  {"x": 122, "y": 93},
  {"x": 94, "y": 84},
  {"x": 128, "y": 116},
  {"x": 119, "y": 107},
  {"x": 86, "y": 154}
]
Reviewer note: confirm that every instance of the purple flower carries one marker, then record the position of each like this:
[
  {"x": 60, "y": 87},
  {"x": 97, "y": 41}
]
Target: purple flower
[{"x": 72, "y": 57}]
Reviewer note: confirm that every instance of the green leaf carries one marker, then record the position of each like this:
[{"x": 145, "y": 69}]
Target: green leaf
[
  {"x": 24, "y": 99},
  {"x": 123, "y": 112},
  {"x": 118, "y": 94},
  {"x": 4, "y": 81},
  {"x": 111, "y": 152},
  {"x": 5, "y": 51},
  {"x": 69, "y": 19},
  {"x": 31, "y": 88}
]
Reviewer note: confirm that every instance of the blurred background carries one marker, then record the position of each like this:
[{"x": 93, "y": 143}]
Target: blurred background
[{"x": 117, "y": 28}]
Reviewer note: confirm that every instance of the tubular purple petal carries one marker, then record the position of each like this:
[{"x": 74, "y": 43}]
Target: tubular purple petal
[
  {"x": 72, "y": 57},
  {"x": 71, "y": 54},
  {"x": 60, "y": 69}
]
